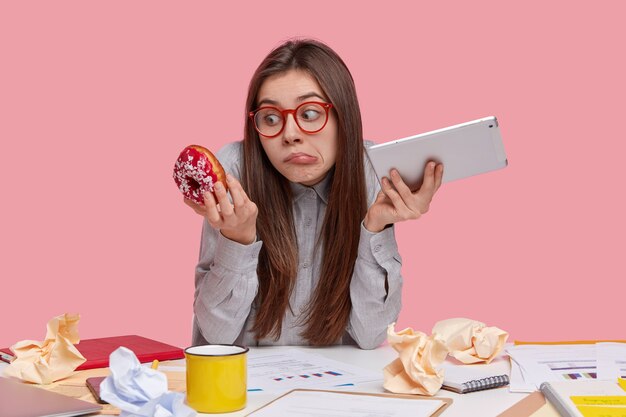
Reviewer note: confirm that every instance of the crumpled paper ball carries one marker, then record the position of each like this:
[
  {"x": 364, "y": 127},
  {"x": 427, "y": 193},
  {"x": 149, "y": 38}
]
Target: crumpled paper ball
[
  {"x": 471, "y": 341},
  {"x": 415, "y": 370},
  {"x": 52, "y": 359},
  {"x": 140, "y": 391}
]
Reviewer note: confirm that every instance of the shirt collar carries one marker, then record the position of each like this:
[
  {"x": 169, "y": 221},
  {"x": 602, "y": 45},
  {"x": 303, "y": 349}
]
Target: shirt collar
[{"x": 322, "y": 188}]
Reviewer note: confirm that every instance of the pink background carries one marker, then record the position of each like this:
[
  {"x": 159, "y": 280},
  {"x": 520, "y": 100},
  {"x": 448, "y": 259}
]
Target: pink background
[{"x": 97, "y": 100}]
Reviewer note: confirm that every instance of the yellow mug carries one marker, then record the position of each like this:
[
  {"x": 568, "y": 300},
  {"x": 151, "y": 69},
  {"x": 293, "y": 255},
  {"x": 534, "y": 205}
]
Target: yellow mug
[{"x": 216, "y": 378}]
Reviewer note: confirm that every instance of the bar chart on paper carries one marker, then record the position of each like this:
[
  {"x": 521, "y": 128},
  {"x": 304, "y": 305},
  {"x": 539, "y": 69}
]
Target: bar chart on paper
[
  {"x": 568, "y": 370},
  {"x": 328, "y": 374},
  {"x": 279, "y": 371}
]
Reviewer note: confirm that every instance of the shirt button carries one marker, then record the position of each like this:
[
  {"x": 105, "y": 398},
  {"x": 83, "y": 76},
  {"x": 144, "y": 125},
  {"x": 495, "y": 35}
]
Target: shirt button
[
  {"x": 377, "y": 248},
  {"x": 311, "y": 193},
  {"x": 305, "y": 265},
  {"x": 307, "y": 222}
]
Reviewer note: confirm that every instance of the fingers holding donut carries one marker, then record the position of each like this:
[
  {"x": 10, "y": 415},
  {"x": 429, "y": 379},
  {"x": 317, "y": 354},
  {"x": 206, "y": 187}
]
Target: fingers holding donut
[
  {"x": 205, "y": 185},
  {"x": 208, "y": 210},
  {"x": 238, "y": 201},
  {"x": 221, "y": 195},
  {"x": 212, "y": 210},
  {"x": 237, "y": 193},
  {"x": 198, "y": 208},
  {"x": 221, "y": 213},
  {"x": 236, "y": 220}
]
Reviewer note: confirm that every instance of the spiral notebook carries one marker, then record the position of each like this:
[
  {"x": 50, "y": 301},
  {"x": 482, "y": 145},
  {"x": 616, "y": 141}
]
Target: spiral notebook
[{"x": 462, "y": 378}]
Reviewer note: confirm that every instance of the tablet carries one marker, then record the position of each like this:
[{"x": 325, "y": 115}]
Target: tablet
[
  {"x": 18, "y": 399},
  {"x": 466, "y": 149}
]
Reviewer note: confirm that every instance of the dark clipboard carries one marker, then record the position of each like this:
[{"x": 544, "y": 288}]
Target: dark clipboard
[
  {"x": 446, "y": 401},
  {"x": 93, "y": 384}
]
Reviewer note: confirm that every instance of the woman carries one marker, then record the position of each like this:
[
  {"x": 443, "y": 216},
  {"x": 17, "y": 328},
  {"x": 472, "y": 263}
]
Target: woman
[{"x": 303, "y": 252}]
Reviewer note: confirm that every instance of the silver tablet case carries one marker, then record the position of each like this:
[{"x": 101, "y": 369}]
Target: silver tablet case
[
  {"x": 24, "y": 400},
  {"x": 466, "y": 149}
]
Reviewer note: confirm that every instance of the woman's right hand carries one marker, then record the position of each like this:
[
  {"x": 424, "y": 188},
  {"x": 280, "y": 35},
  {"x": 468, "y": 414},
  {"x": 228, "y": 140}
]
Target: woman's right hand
[{"x": 237, "y": 220}]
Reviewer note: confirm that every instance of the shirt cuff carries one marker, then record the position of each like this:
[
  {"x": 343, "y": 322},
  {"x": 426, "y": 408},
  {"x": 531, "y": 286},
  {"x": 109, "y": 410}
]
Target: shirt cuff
[
  {"x": 377, "y": 247},
  {"x": 236, "y": 257}
]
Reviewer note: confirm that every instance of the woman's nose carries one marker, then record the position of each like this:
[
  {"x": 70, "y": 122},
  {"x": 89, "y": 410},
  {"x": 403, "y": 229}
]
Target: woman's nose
[{"x": 292, "y": 132}]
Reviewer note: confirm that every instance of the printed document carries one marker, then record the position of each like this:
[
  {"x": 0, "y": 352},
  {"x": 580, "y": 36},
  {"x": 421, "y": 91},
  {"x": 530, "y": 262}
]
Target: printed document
[
  {"x": 541, "y": 363},
  {"x": 532, "y": 365},
  {"x": 286, "y": 369}
]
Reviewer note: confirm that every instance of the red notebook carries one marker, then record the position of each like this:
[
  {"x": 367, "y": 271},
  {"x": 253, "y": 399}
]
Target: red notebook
[{"x": 97, "y": 351}]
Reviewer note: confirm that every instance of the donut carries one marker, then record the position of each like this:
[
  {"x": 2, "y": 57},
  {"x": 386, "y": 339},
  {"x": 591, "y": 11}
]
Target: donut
[{"x": 195, "y": 172}]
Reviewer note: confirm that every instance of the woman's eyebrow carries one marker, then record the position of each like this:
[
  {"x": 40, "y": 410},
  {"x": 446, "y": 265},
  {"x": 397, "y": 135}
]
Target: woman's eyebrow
[
  {"x": 301, "y": 98},
  {"x": 310, "y": 95},
  {"x": 267, "y": 101}
]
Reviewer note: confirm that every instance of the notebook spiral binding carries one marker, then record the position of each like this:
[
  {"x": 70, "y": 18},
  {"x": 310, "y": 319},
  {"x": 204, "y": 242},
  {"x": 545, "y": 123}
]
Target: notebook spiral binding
[{"x": 485, "y": 383}]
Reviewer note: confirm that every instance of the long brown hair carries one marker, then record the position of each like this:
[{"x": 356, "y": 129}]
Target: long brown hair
[{"x": 330, "y": 305}]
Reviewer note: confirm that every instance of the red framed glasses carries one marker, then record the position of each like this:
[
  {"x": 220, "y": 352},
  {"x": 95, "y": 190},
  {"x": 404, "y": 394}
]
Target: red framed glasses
[{"x": 311, "y": 117}]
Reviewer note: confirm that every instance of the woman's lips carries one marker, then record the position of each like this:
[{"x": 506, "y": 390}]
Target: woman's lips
[{"x": 300, "y": 158}]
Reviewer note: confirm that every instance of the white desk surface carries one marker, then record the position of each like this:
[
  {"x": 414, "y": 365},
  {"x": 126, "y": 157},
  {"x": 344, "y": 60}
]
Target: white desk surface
[{"x": 487, "y": 403}]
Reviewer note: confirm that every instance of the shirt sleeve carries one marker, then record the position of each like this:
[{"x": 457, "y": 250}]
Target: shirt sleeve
[
  {"x": 226, "y": 285},
  {"x": 376, "y": 287}
]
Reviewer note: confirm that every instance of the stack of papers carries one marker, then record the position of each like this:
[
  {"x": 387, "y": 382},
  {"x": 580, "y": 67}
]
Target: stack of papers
[{"x": 531, "y": 365}]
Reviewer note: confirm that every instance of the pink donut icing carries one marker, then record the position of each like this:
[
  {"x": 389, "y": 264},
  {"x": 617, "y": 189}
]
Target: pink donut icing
[{"x": 194, "y": 174}]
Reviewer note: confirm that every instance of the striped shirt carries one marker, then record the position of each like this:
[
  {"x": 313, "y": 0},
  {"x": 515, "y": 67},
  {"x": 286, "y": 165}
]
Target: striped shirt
[{"x": 226, "y": 281}]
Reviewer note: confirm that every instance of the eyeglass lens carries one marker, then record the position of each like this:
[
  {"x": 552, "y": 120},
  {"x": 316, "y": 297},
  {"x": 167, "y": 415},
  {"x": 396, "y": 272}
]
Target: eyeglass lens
[{"x": 310, "y": 117}]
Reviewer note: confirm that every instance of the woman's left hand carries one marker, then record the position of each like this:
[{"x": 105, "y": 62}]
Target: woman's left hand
[{"x": 395, "y": 202}]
